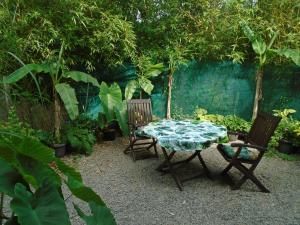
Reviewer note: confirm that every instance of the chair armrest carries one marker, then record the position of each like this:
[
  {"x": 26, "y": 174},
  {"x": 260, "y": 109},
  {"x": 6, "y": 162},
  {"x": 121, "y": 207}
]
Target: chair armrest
[
  {"x": 238, "y": 133},
  {"x": 249, "y": 146}
]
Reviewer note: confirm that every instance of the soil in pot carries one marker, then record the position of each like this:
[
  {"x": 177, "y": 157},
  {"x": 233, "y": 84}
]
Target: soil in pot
[
  {"x": 109, "y": 134},
  {"x": 60, "y": 150},
  {"x": 285, "y": 147}
]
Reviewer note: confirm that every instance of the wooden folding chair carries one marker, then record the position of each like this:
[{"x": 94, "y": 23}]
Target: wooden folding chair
[
  {"x": 139, "y": 114},
  {"x": 251, "y": 150}
]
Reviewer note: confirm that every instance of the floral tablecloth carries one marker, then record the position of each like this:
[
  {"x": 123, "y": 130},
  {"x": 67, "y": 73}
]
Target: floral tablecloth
[{"x": 184, "y": 135}]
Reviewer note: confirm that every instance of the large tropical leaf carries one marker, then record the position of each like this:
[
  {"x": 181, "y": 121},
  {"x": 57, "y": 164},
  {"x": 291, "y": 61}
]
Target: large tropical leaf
[
  {"x": 110, "y": 98},
  {"x": 44, "y": 207},
  {"x": 146, "y": 85},
  {"x": 33, "y": 148},
  {"x": 154, "y": 70},
  {"x": 259, "y": 46},
  {"x": 32, "y": 75},
  {"x": 122, "y": 117},
  {"x": 101, "y": 215},
  {"x": 130, "y": 89},
  {"x": 248, "y": 31},
  {"x": 33, "y": 168},
  {"x": 8, "y": 178},
  {"x": 67, "y": 170},
  {"x": 19, "y": 153},
  {"x": 293, "y": 54},
  {"x": 23, "y": 71},
  {"x": 80, "y": 76},
  {"x": 82, "y": 192},
  {"x": 68, "y": 96}
]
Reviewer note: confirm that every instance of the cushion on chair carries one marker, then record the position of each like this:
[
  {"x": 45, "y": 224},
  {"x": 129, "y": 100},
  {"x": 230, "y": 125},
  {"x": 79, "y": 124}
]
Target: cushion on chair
[{"x": 245, "y": 154}]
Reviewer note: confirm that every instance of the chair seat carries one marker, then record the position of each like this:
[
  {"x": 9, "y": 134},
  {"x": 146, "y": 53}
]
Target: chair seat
[
  {"x": 140, "y": 134},
  {"x": 246, "y": 153}
]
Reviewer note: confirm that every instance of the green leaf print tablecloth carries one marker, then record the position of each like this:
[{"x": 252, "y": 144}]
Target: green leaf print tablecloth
[{"x": 184, "y": 135}]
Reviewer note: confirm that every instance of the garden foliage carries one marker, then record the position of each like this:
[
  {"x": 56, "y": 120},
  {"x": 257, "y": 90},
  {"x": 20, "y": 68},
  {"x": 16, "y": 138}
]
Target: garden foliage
[{"x": 33, "y": 178}]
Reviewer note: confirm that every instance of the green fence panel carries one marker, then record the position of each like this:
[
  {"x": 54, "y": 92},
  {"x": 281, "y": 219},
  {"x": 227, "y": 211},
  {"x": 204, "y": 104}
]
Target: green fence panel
[
  {"x": 281, "y": 89},
  {"x": 220, "y": 87}
]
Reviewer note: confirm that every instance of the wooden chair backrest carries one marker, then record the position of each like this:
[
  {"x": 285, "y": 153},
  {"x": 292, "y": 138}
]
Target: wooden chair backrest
[
  {"x": 262, "y": 129},
  {"x": 139, "y": 111}
]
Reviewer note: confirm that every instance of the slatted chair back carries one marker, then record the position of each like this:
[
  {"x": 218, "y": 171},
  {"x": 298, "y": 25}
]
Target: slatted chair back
[
  {"x": 262, "y": 129},
  {"x": 139, "y": 111}
]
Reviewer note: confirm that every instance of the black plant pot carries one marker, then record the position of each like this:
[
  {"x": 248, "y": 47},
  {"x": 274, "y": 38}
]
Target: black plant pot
[
  {"x": 297, "y": 149},
  {"x": 60, "y": 150},
  {"x": 285, "y": 147},
  {"x": 109, "y": 134},
  {"x": 99, "y": 136}
]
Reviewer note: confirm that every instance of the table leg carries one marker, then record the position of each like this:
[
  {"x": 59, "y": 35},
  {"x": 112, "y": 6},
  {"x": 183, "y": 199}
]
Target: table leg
[
  {"x": 206, "y": 171},
  {"x": 170, "y": 167}
]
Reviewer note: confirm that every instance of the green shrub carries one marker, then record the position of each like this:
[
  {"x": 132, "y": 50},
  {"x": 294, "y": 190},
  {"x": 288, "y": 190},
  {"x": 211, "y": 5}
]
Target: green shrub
[
  {"x": 80, "y": 139},
  {"x": 235, "y": 123},
  {"x": 231, "y": 122}
]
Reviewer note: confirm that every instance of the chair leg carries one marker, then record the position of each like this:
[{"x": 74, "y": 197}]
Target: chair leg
[
  {"x": 238, "y": 185},
  {"x": 155, "y": 148},
  {"x": 248, "y": 173},
  {"x": 132, "y": 152},
  {"x": 226, "y": 169},
  {"x": 258, "y": 183}
]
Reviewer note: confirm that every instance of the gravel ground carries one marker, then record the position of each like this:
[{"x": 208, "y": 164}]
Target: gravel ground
[{"x": 139, "y": 195}]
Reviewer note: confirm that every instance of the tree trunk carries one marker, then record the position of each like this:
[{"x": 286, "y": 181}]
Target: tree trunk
[
  {"x": 57, "y": 114},
  {"x": 170, "y": 83},
  {"x": 258, "y": 91}
]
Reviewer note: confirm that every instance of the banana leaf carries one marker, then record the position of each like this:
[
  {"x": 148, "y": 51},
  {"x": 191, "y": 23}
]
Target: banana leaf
[
  {"x": 80, "y": 76},
  {"x": 294, "y": 55},
  {"x": 130, "y": 89},
  {"x": 23, "y": 71},
  {"x": 146, "y": 85},
  {"x": 68, "y": 96}
]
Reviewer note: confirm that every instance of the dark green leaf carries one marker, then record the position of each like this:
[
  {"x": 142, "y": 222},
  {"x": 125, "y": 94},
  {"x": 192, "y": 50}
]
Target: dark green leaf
[
  {"x": 67, "y": 170},
  {"x": 101, "y": 215},
  {"x": 44, "y": 207},
  {"x": 8, "y": 178},
  {"x": 82, "y": 192}
]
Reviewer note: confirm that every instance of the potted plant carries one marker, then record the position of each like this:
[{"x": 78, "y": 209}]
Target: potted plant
[
  {"x": 61, "y": 89},
  {"x": 286, "y": 127},
  {"x": 114, "y": 111},
  {"x": 296, "y": 135}
]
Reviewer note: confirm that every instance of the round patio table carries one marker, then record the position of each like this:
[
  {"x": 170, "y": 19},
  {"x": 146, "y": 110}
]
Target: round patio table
[{"x": 182, "y": 136}]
